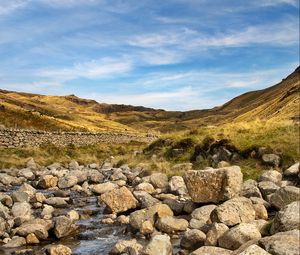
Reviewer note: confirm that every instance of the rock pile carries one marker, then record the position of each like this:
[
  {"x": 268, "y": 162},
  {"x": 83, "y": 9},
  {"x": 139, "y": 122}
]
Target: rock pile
[{"x": 210, "y": 211}]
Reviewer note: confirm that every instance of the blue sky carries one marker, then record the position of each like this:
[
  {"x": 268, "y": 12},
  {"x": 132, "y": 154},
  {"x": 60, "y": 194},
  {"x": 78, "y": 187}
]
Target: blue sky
[{"x": 171, "y": 54}]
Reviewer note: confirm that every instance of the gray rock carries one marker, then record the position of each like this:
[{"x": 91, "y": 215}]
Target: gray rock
[
  {"x": 126, "y": 247},
  {"x": 159, "y": 180},
  {"x": 64, "y": 227},
  {"x": 59, "y": 250},
  {"x": 177, "y": 185},
  {"x": 27, "y": 188},
  {"x": 201, "y": 217},
  {"x": 104, "y": 187},
  {"x": 271, "y": 176},
  {"x": 266, "y": 188},
  {"x": 145, "y": 199},
  {"x": 250, "y": 189},
  {"x": 292, "y": 170},
  {"x": 254, "y": 250},
  {"x": 285, "y": 196},
  {"x": 287, "y": 219},
  {"x": 20, "y": 196},
  {"x": 236, "y": 236},
  {"x": 94, "y": 176},
  {"x": 57, "y": 201},
  {"x": 15, "y": 242},
  {"x": 159, "y": 244},
  {"x": 192, "y": 239},
  {"x": 283, "y": 243},
  {"x": 271, "y": 160},
  {"x": 214, "y": 185},
  {"x": 37, "y": 227},
  {"x": 214, "y": 233},
  {"x": 234, "y": 211},
  {"x": 67, "y": 181},
  {"x": 22, "y": 209}
]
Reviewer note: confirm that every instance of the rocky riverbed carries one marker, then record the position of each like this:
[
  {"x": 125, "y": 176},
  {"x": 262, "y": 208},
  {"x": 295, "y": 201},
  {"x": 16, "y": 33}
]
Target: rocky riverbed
[{"x": 98, "y": 209}]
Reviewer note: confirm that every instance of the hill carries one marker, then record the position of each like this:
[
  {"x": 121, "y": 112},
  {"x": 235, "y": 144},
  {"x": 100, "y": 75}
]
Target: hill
[{"x": 33, "y": 111}]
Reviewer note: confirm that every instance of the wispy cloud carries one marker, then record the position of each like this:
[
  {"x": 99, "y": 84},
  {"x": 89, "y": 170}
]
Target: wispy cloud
[{"x": 9, "y": 6}]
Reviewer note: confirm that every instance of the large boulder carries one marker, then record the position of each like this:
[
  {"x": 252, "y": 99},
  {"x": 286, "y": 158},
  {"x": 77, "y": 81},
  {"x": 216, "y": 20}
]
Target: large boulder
[
  {"x": 15, "y": 242},
  {"x": 214, "y": 185},
  {"x": 22, "y": 209},
  {"x": 271, "y": 176},
  {"x": 170, "y": 224},
  {"x": 137, "y": 218},
  {"x": 177, "y": 185},
  {"x": 250, "y": 189},
  {"x": 285, "y": 196},
  {"x": 271, "y": 160},
  {"x": 126, "y": 247},
  {"x": 267, "y": 188},
  {"x": 254, "y": 250},
  {"x": 159, "y": 244},
  {"x": 144, "y": 186},
  {"x": 282, "y": 243},
  {"x": 119, "y": 200},
  {"x": 37, "y": 227},
  {"x": 238, "y": 235},
  {"x": 287, "y": 219},
  {"x": 145, "y": 199},
  {"x": 292, "y": 170},
  {"x": 234, "y": 211},
  {"x": 214, "y": 233}
]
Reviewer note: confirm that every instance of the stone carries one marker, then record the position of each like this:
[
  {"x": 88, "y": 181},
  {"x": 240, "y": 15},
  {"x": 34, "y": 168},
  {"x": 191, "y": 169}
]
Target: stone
[
  {"x": 21, "y": 209},
  {"x": 263, "y": 226},
  {"x": 37, "y": 227},
  {"x": 292, "y": 170},
  {"x": 122, "y": 219},
  {"x": 271, "y": 160},
  {"x": 159, "y": 244},
  {"x": 176, "y": 205},
  {"x": 209, "y": 250},
  {"x": 27, "y": 174},
  {"x": 254, "y": 250},
  {"x": 48, "y": 181},
  {"x": 57, "y": 201},
  {"x": 170, "y": 224},
  {"x": 137, "y": 218},
  {"x": 214, "y": 233},
  {"x": 214, "y": 185},
  {"x": 147, "y": 187},
  {"x": 271, "y": 176},
  {"x": 64, "y": 227},
  {"x": 145, "y": 199},
  {"x": 119, "y": 200},
  {"x": 59, "y": 250},
  {"x": 250, "y": 189},
  {"x": 67, "y": 181},
  {"x": 287, "y": 219},
  {"x": 32, "y": 239},
  {"x": 192, "y": 239},
  {"x": 147, "y": 227},
  {"x": 73, "y": 165},
  {"x": 126, "y": 247},
  {"x": 73, "y": 215},
  {"x": 234, "y": 211},
  {"x": 282, "y": 243},
  {"x": 31, "y": 164},
  {"x": 20, "y": 196},
  {"x": 15, "y": 242},
  {"x": 27, "y": 188},
  {"x": 260, "y": 211},
  {"x": 4, "y": 212},
  {"x": 104, "y": 187},
  {"x": 159, "y": 180},
  {"x": 266, "y": 188},
  {"x": 177, "y": 185},
  {"x": 285, "y": 196},
  {"x": 94, "y": 176},
  {"x": 238, "y": 235},
  {"x": 47, "y": 211},
  {"x": 201, "y": 217}
]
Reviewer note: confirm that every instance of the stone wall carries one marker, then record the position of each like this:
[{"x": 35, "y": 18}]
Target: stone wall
[{"x": 14, "y": 138}]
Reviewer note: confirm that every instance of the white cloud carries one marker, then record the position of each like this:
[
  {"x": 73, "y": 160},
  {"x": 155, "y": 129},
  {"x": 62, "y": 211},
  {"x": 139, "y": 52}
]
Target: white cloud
[
  {"x": 94, "y": 69},
  {"x": 9, "y": 6},
  {"x": 294, "y": 3}
]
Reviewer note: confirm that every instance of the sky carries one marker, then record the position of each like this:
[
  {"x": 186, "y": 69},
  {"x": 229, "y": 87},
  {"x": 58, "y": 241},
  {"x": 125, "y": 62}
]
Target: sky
[{"x": 171, "y": 54}]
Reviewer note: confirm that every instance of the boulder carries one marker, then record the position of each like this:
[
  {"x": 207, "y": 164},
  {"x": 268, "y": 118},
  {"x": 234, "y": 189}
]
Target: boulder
[
  {"x": 94, "y": 176},
  {"x": 119, "y": 200},
  {"x": 271, "y": 176},
  {"x": 159, "y": 180},
  {"x": 286, "y": 243},
  {"x": 144, "y": 186},
  {"x": 64, "y": 227},
  {"x": 159, "y": 244},
  {"x": 67, "y": 181},
  {"x": 254, "y": 250},
  {"x": 126, "y": 247},
  {"x": 145, "y": 199},
  {"x": 234, "y": 211},
  {"x": 20, "y": 196},
  {"x": 214, "y": 233},
  {"x": 209, "y": 250},
  {"x": 287, "y": 219},
  {"x": 238, "y": 235},
  {"x": 271, "y": 160},
  {"x": 214, "y": 185},
  {"x": 15, "y": 242},
  {"x": 37, "y": 227},
  {"x": 292, "y": 170},
  {"x": 260, "y": 211},
  {"x": 250, "y": 189},
  {"x": 266, "y": 188},
  {"x": 27, "y": 188},
  {"x": 285, "y": 196},
  {"x": 137, "y": 218},
  {"x": 21, "y": 209},
  {"x": 177, "y": 185},
  {"x": 59, "y": 250},
  {"x": 57, "y": 201},
  {"x": 48, "y": 181},
  {"x": 32, "y": 239},
  {"x": 192, "y": 239},
  {"x": 170, "y": 224},
  {"x": 147, "y": 228},
  {"x": 104, "y": 187},
  {"x": 201, "y": 217}
]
